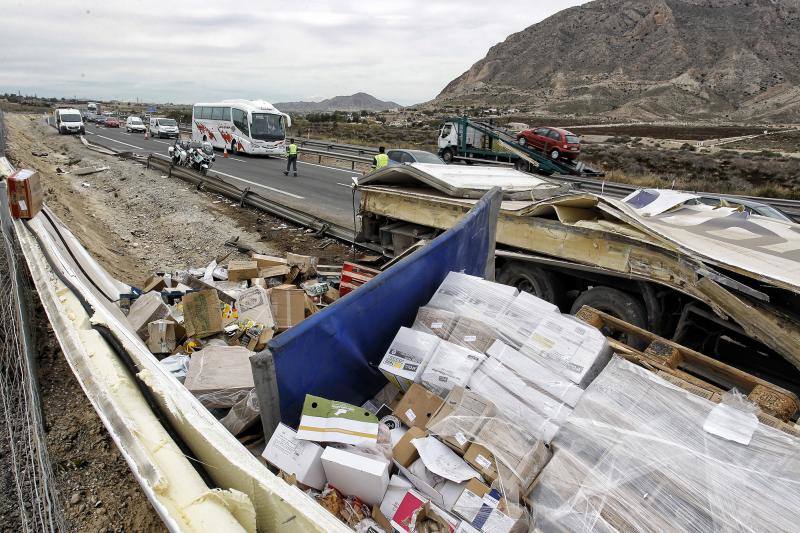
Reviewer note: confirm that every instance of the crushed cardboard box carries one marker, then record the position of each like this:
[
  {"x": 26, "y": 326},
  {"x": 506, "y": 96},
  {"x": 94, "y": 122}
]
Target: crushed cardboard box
[
  {"x": 202, "y": 316},
  {"x": 220, "y": 376}
]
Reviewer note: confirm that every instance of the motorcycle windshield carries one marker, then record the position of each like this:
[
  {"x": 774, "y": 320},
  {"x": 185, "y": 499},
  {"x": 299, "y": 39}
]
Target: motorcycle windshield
[{"x": 267, "y": 127}]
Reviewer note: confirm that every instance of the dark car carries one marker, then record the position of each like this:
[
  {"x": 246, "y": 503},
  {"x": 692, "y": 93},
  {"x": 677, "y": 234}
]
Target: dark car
[
  {"x": 555, "y": 142},
  {"x": 399, "y": 157}
]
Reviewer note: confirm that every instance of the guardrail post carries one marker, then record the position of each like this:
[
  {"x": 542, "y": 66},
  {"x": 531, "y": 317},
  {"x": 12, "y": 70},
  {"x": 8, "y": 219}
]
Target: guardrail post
[{"x": 244, "y": 193}]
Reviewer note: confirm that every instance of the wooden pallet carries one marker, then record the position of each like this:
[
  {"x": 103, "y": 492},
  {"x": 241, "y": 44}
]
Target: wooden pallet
[{"x": 693, "y": 371}]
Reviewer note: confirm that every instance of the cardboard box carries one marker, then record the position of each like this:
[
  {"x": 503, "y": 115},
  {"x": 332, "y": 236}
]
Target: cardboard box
[
  {"x": 512, "y": 407},
  {"x": 288, "y": 306},
  {"x": 405, "y": 453},
  {"x": 436, "y": 321},
  {"x": 266, "y": 261},
  {"x": 535, "y": 373},
  {"x": 521, "y": 456},
  {"x": 415, "y": 508},
  {"x": 485, "y": 510},
  {"x": 202, "y": 315},
  {"x": 277, "y": 271},
  {"x": 242, "y": 270},
  {"x": 460, "y": 418},
  {"x": 258, "y": 282},
  {"x": 161, "y": 336},
  {"x": 220, "y": 376},
  {"x": 326, "y": 420},
  {"x": 551, "y": 409},
  {"x": 450, "y": 366},
  {"x": 294, "y": 456},
  {"x": 154, "y": 283},
  {"x": 395, "y": 492},
  {"x": 472, "y": 334},
  {"x": 147, "y": 308},
  {"x": 570, "y": 347},
  {"x": 254, "y": 304},
  {"x": 306, "y": 264},
  {"x": 407, "y": 356},
  {"x": 25, "y": 195},
  {"x": 356, "y": 474},
  {"x": 417, "y": 406},
  {"x": 243, "y": 414}
]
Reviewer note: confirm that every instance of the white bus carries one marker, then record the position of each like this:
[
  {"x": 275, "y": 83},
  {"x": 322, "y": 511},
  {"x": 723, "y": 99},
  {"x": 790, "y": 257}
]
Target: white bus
[{"x": 255, "y": 126}]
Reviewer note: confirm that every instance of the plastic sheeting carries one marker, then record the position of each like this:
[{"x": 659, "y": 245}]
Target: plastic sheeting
[
  {"x": 335, "y": 353},
  {"x": 639, "y": 454}
]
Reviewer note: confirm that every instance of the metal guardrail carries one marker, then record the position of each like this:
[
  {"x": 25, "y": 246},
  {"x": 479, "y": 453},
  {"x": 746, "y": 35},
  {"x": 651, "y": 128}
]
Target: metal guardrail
[{"x": 253, "y": 199}]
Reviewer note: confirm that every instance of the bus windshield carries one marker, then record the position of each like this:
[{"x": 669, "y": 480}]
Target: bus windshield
[{"x": 267, "y": 127}]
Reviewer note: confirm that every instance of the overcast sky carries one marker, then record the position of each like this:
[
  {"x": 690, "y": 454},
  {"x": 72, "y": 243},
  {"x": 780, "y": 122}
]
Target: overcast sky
[{"x": 161, "y": 51}]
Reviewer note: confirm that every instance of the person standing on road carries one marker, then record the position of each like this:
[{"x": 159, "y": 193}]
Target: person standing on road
[
  {"x": 291, "y": 157},
  {"x": 380, "y": 160}
]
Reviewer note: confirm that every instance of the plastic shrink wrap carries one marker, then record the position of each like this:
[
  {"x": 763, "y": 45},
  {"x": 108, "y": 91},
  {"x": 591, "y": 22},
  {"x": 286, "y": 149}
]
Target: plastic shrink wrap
[{"x": 640, "y": 454}]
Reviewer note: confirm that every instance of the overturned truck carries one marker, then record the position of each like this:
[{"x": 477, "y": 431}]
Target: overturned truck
[{"x": 717, "y": 279}]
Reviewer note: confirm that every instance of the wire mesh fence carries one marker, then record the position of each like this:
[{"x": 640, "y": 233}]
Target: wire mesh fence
[{"x": 30, "y": 499}]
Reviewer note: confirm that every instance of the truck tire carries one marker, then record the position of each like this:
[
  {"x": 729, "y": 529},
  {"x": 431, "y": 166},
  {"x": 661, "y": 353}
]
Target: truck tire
[
  {"x": 533, "y": 279},
  {"x": 447, "y": 155},
  {"x": 617, "y": 303},
  {"x": 521, "y": 165}
]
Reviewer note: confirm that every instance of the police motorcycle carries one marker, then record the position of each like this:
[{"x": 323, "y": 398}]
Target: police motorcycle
[{"x": 195, "y": 155}]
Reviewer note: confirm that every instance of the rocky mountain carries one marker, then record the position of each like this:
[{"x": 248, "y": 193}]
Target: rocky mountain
[
  {"x": 648, "y": 59},
  {"x": 354, "y": 102}
]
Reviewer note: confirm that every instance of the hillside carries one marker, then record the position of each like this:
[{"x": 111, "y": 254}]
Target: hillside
[
  {"x": 354, "y": 102},
  {"x": 648, "y": 59}
]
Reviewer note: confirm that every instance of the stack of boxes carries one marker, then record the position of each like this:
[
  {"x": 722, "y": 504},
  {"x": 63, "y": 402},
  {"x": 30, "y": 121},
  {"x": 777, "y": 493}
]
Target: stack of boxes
[{"x": 480, "y": 395}]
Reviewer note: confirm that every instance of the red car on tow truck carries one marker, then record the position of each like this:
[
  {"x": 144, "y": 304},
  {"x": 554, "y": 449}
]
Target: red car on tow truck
[{"x": 555, "y": 142}]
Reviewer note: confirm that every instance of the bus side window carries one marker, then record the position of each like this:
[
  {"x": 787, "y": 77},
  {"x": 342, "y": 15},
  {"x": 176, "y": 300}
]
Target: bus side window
[
  {"x": 226, "y": 114},
  {"x": 240, "y": 121},
  {"x": 206, "y": 113},
  {"x": 217, "y": 113}
]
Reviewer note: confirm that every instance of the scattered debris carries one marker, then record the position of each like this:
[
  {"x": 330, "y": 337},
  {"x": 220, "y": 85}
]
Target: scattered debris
[{"x": 88, "y": 170}]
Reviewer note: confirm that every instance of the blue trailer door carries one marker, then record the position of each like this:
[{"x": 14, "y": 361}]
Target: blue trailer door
[{"x": 335, "y": 353}]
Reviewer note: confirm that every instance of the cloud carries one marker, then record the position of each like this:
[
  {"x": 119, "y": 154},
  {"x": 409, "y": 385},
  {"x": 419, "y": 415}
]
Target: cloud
[{"x": 405, "y": 51}]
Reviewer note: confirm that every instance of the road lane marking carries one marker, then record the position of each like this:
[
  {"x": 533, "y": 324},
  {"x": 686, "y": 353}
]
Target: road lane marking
[
  {"x": 354, "y": 173},
  {"x": 162, "y": 142},
  {"x": 122, "y": 132},
  {"x": 348, "y": 185},
  {"x": 234, "y": 159},
  {"x": 120, "y": 142},
  {"x": 161, "y": 155},
  {"x": 258, "y": 185}
]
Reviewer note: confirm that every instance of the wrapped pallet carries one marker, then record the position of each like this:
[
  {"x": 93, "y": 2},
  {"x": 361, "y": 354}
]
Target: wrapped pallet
[{"x": 640, "y": 454}]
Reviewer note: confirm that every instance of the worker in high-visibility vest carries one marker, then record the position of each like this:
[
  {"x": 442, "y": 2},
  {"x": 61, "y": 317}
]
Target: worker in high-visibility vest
[
  {"x": 291, "y": 157},
  {"x": 380, "y": 160}
]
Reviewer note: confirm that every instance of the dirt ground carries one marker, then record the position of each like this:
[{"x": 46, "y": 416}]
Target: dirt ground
[{"x": 133, "y": 221}]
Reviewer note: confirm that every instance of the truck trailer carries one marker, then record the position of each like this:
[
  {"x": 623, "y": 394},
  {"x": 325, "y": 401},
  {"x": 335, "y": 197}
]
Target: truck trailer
[{"x": 716, "y": 279}]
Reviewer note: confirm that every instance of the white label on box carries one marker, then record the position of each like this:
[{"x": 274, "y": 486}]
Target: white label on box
[
  {"x": 460, "y": 438},
  {"x": 470, "y": 338},
  {"x": 22, "y": 205},
  {"x": 437, "y": 325},
  {"x": 410, "y": 415},
  {"x": 498, "y": 521},
  {"x": 483, "y": 461},
  {"x": 548, "y": 338}
]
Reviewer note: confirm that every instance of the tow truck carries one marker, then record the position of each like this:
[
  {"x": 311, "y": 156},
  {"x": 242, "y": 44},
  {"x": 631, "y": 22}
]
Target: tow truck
[{"x": 470, "y": 141}]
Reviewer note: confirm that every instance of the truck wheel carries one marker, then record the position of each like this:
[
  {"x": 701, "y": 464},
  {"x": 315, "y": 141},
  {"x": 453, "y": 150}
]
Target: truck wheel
[
  {"x": 447, "y": 155},
  {"x": 554, "y": 154},
  {"x": 616, "y": 303},
  {"x": 533, "y": 279}
]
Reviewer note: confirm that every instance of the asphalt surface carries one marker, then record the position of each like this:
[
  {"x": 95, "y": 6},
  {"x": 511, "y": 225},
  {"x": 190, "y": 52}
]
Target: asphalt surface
[{"x": 318, "y": 190}]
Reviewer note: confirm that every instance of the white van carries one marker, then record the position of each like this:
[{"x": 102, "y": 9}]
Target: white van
[
  {"x": 135, "y": 124},
  {"x": 68, "y": 121},
  {"x": 163, "y": 127}
]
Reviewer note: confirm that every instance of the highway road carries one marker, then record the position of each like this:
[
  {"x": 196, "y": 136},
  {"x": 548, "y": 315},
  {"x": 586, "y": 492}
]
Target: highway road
[{"x": 319, "y": 190}]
